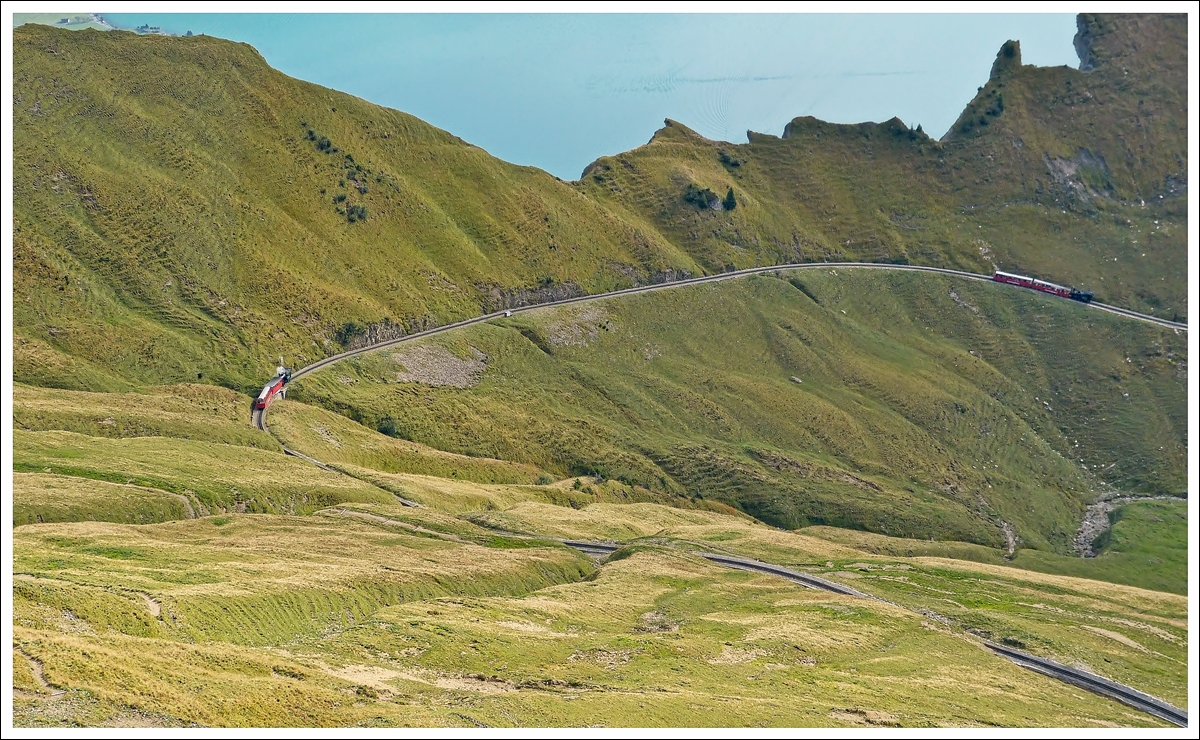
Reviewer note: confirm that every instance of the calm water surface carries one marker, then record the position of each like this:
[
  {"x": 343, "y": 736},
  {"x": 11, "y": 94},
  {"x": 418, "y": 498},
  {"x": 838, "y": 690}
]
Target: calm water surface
[{"x": 558, "y": 91}]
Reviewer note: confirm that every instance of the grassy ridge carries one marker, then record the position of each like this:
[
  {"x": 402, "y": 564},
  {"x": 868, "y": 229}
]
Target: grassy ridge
[
  {"x": 1147, "y": 547},
  {"x": 184, "y": 212},
  {"x": 342, "y": 618},
  {"x": 213, "y": 477},
  {"x": 927, "y": 407},
  {"x": 334, "y": 439},
  {"x": 1133, "y": 635},
  {"x": 1040, "y": 175},
  {"x": 201, "y": 412},
  {"x": 177, "y": 223},
  {"x": 175, "y": 218},
  {"x": 44, "y": 497},
  {"x": 241, "y": 579}
]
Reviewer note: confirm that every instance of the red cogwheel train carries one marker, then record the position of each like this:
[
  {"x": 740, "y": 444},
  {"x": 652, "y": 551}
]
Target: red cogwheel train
[
  {"x": 277, "y": 386},
  {"x": 1083, "y": 296}
]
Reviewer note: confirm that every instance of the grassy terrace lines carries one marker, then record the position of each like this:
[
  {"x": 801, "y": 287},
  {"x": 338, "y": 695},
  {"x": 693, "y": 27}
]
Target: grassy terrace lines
[
  {"x": 200, "y": 412},
  {"x": 334, "y": 439},
  {"x": 212, "y": 477},
  {"x": 655, "y": 638},
  {"x": 185, "y": 215},
  {"x": 1132, "y": 635},
  {"x": 376, "y": 613},
  {"x": 259, "y": 579}
]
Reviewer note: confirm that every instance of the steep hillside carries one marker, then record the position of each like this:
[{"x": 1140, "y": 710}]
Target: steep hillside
[
  {"x": 901, "y": 403},
  {"x": 184, "y": 215},
  {"x": 183, "y": 212},
  {"x": 1076, "y": 176}
]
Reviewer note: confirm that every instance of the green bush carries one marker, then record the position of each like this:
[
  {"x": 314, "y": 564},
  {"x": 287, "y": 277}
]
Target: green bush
[
  {"x": 387, "y": 425},
  {"x": 347, "y": 331},
  {"x": 700, "y": 197}
]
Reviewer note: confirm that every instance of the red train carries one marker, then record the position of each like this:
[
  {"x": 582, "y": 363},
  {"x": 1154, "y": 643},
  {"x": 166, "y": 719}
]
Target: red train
[
  {"x": 1084, "y": 296},
  {"x": 275, "y": 387}
]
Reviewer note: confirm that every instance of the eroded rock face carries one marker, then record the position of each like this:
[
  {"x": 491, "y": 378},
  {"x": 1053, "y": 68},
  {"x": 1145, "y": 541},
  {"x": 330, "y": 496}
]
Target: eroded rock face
[
  {"x": 1086, "y": 174},
  {"x": 579, "y": 328},
  {"x": 1098, "y": 520},
  {"x": 1131, "y": 42},
  {"x": 501, "y": 298},
  {"x": 1083, "y": 44},
  {"x": 376, "y": 332},
  {"x": 1007, "y": 60}
]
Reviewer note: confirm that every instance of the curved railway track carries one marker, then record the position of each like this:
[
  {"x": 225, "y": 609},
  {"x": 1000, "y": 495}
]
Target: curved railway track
[
  {"x": 1095, "y": 684},
  {"x": 1074, "y": 676},
  {"x": 1065, "y": 673},
  {"x": 260, "y": 417}
]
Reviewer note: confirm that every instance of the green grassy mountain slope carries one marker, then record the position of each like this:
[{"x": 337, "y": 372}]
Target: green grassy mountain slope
[
  {"x": 1076, "y": 176},
  {"x": 183, "y": 212},
  {"x": 1146, "y": 547},
  {"x": 180, "y": 223},
  {"x": 900, "y": 403},
  {"x": 181, "y": 208},
  {"x": 335, "y": 604}
]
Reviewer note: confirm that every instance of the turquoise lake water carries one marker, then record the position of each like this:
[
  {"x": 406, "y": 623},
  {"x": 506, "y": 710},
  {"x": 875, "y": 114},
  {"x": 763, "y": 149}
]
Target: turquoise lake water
[{"x": 558, "y": 91}]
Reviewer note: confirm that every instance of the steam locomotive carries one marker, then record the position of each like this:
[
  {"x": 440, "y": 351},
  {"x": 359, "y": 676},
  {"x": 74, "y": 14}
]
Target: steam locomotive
[{"x": 1083, "y": 296}]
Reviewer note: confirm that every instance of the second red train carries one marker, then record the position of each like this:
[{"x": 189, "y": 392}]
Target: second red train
[{"x": 1084, "y": 296}]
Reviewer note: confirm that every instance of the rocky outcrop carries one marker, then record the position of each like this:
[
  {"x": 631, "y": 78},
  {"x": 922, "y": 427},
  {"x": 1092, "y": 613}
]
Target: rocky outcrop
[
  {"x": 499, "y": 299},
  {"x": 1007, "y": 60},
  {"x": 374, "y": 333},
  {"x": 1083, "y": 43}
]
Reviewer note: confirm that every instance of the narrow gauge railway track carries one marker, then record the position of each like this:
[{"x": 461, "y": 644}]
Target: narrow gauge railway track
[
  {"x": 1095, "y": 684},
  {"x": 260, "y": 415},
  {"x": 1074, "y": 676},
  {"x": 729, "y": 561}
]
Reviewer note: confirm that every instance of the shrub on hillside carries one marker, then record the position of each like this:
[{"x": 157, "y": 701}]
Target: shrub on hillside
[
  {"x": 701, "y": 197},
  {"x": 387, "y": 425},
  {"x": 729, "y": 160},
  {"x": 730, "y": 202},
  {"x": 347, "y": 331}
]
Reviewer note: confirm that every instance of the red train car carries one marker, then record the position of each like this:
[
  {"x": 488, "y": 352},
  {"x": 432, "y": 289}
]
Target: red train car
[
  {"x": 275, "y": 387},
  {"x": 1045, "y": 287}
]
